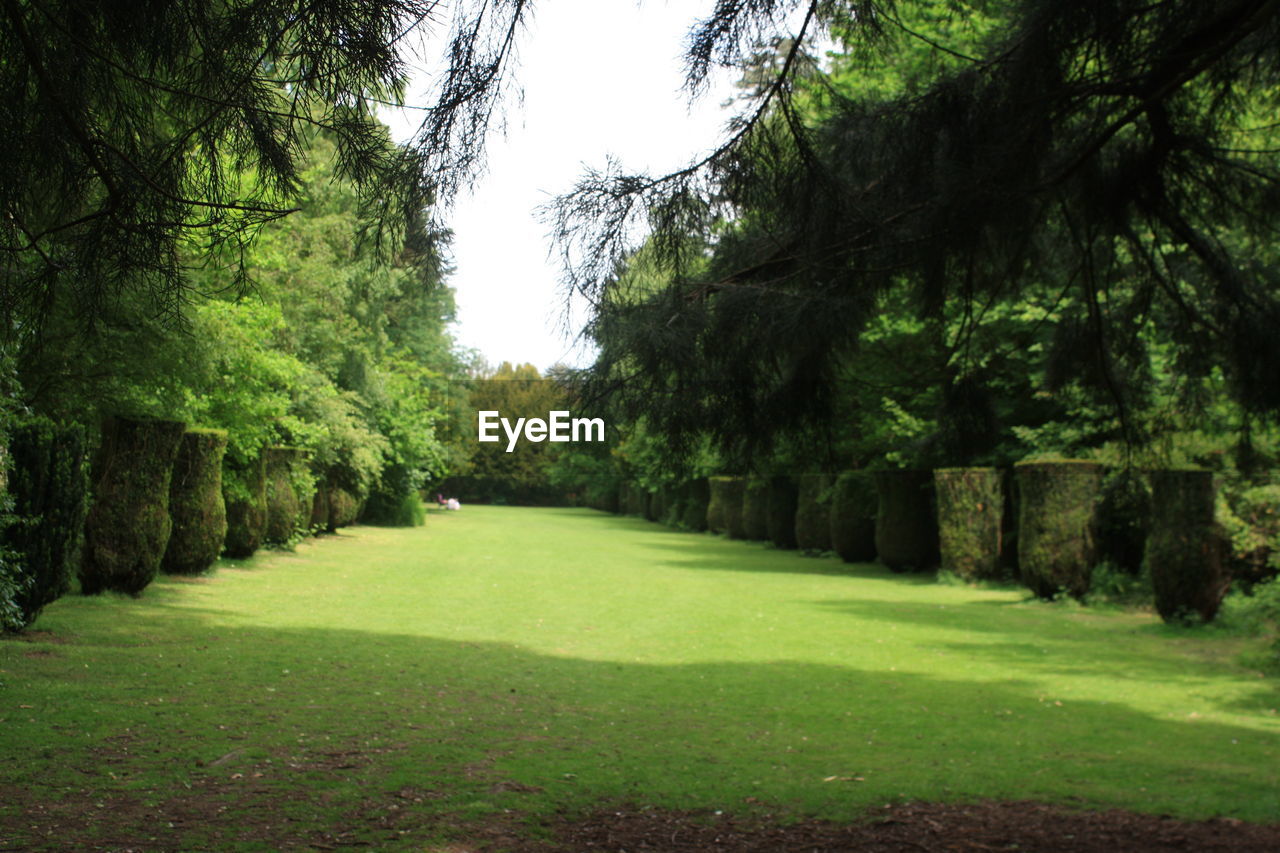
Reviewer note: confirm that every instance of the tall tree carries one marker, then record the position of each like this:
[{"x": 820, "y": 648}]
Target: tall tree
[{"x": 1119, "y": 153}]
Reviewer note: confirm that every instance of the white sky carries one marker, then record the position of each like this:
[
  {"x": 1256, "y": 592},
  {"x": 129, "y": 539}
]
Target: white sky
[{"x": 600, "y": 78}]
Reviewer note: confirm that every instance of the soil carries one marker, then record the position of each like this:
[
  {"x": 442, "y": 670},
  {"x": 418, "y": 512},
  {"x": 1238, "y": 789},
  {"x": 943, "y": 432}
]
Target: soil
[{"x": 931, "y": 827}]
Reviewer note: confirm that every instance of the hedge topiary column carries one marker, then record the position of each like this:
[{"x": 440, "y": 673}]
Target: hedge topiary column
[
  {"x": 49, "y": 483},
  {"x": 718, "y": 506},
  {"x": 755, "y": 509},
  {"x": 344, "y": 508},
  {"x": 244, "y": 488},
  {"x": 734, "y": 489},
  {"x": 782, "y": 497},
  {"x": 1057, "y": 544},
  {"x": 1184, "y": 552},
  {"x": 196, "y": 506},
  {"x": 813, "y": 512},
  {"x": 853, "y": 517},
  {"x": 906, "y": 526},
  {"x": 284, "y": 505},
  {"x": 970, "y": 511},
  {"x": 128, "y": 526},
  {"x": 697, "y": 496}
]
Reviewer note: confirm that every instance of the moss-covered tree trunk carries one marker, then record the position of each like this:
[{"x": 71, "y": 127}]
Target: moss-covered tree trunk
[
  {"x": 1057, "y": 525},
  {"x": 781, "y": 500},
  {"x": 755, "y": 510},
  {"x": 245, "y": 490},
  {"x": 284, "y": 505},
  {"x": 196, "y": 506},
  {"x": 853, "y": 517},
  {"x": 697, "y": 497},
  {"x": 1184, "y": 550},
  {"x": 733, "y": 491},
  {"x": 970, "y": 515},
  {"x": 813, "y": 512},
  {"x": 906, "y": 523},
  {"x": 49, "y": 484},
  {"x": 128, "y": 526}
]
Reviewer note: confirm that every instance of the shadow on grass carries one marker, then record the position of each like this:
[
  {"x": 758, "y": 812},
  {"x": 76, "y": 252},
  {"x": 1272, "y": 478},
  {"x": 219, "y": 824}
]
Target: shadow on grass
[{"x": 482, "y": 727}]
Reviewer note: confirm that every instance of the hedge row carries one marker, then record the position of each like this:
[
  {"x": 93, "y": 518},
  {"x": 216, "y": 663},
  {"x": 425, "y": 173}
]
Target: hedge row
[
  {"x": 165, "y": 498},
  {"x": 963, "y": 521}
]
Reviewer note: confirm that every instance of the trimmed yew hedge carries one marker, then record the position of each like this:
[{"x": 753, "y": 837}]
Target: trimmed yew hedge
[
  {"x": 717, "y": 507},
  {"x": 732, "y": 492},
  {"x": 755, "y": 509},
  {"x": 49, "y": 484},
  {"x": 693, "y": 510},
  {"x": 287, "y": 511},
  {"x": 244, "y": 488},
  {"x": 1184, "y": 550},
  {"x": 906, "y": 524},
  {"x": 853, "y": 517},
  {"x": 128, "y": 526},
  {"x": 196, "y": 506},
  {"x": 813, "y": 512},
  {"x": 970, "y": 511},
  {"x": 344, "y": 508},
  {"x": 782, "y": 496},
  {"x": 1057, "y": 525}
]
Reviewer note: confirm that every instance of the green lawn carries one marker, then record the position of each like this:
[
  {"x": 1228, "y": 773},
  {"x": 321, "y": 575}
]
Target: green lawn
[{"x": 395, "y": 687}]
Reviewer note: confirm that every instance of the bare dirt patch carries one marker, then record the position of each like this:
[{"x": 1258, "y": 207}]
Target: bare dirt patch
[{"x": 913, "y": 826}]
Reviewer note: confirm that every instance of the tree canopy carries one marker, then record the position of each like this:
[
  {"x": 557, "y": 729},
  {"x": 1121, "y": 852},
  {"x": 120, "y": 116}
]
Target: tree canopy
[{"x": 1109, "y": 165}]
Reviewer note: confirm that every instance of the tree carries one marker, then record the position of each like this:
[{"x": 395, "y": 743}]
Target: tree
[{"x": 1113, "y": 155}]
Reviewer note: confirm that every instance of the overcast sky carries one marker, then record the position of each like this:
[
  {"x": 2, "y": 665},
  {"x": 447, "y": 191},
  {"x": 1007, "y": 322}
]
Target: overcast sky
[{"x": 600, "y": 78}]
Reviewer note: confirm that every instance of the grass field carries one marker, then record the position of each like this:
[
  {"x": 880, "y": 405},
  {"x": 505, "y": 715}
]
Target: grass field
[{"x": 397, "y": 687}]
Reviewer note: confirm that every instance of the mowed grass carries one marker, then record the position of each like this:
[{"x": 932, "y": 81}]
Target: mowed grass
[{"x": 395, "y": 687}]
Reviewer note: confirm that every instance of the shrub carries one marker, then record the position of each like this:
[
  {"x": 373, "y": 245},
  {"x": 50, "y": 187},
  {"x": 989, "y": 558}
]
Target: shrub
[
  {"x": 49, "y": 488},
  {"x": 244, "y": 488},
  {"x": 653, "y": 508},
  {"x": 343, "y": 508},
  {"x": 1124, "y": 516},
  {"x": 693, "y": 511},
  {"x": 781, "y": 498},
  {"x": 395, "y": 502},
  {"x": 853, "y": 517},
  {"x": 755, "y": 509},
  {"x": 970, "y": 510},
  {"x": 718, "y": 506},
  {"x": 1184, "y": 551},
  {"x": 196, "y": 506},
  {"x": 284, "y": 504},
  {"x": 1251, "y": 520},
  {"x": 128, "y": 526},
  {"x": 906, "y": 524},
  {"x": 320, "y": 508},
  {"x": 1057, "y": 525},
  {"x": 813, "y": 512},
  {"x": 733, "y": 490}
]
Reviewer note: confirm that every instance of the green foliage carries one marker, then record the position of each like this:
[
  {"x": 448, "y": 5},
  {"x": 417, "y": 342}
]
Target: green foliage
[
  {"x": 781, "y": 498},
  {"x": 813, "y": 512},
  {"x": 48, "y": 485},
  {"x": 244, "y": 489},
  {"x": 853, "y": 517},
  {"x": 906, "y": 519},
  {"x": 1184, "y": 551},
  {"x": 196, "y": 505},
  {"x": 128, "y": 525},
  {"x": 755, "y": 509},
  {"x": 696, "y": 500},
  {"x": 1057, "y": 525},
  {"x": 970, "y": 505}
]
